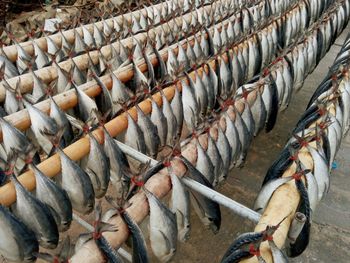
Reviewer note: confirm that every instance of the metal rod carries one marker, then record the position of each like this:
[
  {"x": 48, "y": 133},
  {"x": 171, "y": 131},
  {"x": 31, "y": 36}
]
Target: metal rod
[
  {"x": 125, "y": 254},
  {"x": 221, "y": 199}
]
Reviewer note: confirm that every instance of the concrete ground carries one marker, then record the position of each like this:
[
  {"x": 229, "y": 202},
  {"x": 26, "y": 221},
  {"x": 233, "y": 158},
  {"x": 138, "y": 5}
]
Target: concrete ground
[{"x": 330, "y": 234}]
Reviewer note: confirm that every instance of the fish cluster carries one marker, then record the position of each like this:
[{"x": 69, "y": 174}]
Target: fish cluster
[
  {"x": 318, "y": 134},
  {"x": 228, "y": 68}
]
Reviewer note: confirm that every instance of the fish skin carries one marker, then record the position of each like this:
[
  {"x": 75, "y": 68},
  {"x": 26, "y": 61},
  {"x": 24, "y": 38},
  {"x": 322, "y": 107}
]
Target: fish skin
[
  {"x": 244, "y": 137},
  {"x": 41, "y": 122},
  {"x": 277, "y": 254},
  {"x": 118, "y": 166},
  {"x": 20, "y": 243},
  {"x": 204, "y": 164},
  {"x": 42, "y": 59},
  {"x": 35, "y": 214},
  {"x": 215, "y": 157},
  {"x": 13, "y": 139},
  {"x": 139, "y": 247},
  {"x": 104, "y": 100},
  {"x": 159, "y": 120},
  {"x": 120, "y": 93},
  {"x": 180, "y": 206},
  {"x": 10, "y": 71},
  {"x": 272, "y": 116},
  {"x": 97, "y": 166},
  {"x": 312, "y": 190},
  {"x": 77, "y": 184},
  {"x": 207, "y": 83},
  {"x": 87, "y": 107},
  {"x": 150, "y": 133},
  {"x": 201, "y": 95},
  {"x": 224, "y": 148},
  {"x": 163, "y": 228},
  {"x": 190, "y": 106},
  {"x": 48, "y": 192},
  {"x": 39, "y": 87},
  {"x": 266, "y": 192},
  {"x": 134, "y": 137},
  {"x": 207, "y": 210},
  {"x": 321, "y": 172},
  {"x": 12, "y": 104},
  {"x": 77, "y": 74},
  {"x": 172, "y": 136},
  {"x": 178, "y": 110},
  {"x": 233, "y": 138},
  {"x": 62, "y": 122},
  {"x": 259, "y": 112}
]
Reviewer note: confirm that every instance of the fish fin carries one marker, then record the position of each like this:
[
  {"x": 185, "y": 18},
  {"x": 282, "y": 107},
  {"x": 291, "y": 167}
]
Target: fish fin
[
  {"x": 166, "y": 240},
  {"x": 90, "y": 172}
]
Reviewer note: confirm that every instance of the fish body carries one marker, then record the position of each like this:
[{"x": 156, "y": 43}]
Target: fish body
[
  {"x": 19, "y": 242},
  {"x": 163, "y": 229}
]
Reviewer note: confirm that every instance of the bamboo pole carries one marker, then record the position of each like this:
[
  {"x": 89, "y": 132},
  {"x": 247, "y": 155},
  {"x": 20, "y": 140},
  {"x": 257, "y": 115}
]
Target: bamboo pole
[
  {"x": 11, "y": 51},
  {"x": 49, "y": 73}
]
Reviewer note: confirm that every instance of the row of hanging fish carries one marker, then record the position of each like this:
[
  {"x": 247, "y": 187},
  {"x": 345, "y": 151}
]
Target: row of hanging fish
[
  {"x": 80, "y": 75},
  {"x": 318, "y": 132},
  {"x": 87, "y": 107},
  {"x": 96, "y": 35},
  {"x": 83, "y": 15},
  {"x": 55, "y": 200},
  {"x": 117, "y": 95}
]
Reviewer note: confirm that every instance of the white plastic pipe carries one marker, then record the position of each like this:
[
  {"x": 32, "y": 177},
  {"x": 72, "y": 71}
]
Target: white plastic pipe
[{"x": 221, "y": 199}]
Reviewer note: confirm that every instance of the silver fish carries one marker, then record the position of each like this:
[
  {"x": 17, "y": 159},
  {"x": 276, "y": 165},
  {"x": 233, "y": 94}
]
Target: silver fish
[
  {"x": 97, "y": 167},
  {"x": 267, "y": 191},
  {"x": 149, "y": 131},
  {"x": 180, "y": 205},
  {"x": 215, "y": 157},
  {"x": 190, "y": 106},
  {"x": 41, "y": 123},
  {"x": 48, "y": 192},
  {"x": 35, "y": 214},
  {"x": 134, "y": 136},
  {"x": 207, "y": 210},
  {"x": 77, "y": 184},
  {"x": 87, "y": 107},
  {"x": 177, "y": 109},
  {"x": 204, "y": 164},
  {"x": 159, "y": 120},
  {"x": 19, "y": 242},
  {"x": 225, "y": 151},
  {"x": 172, "y": 136},
  {"x": 118, "y": 166},
  {"x": 163, "y": 228}
]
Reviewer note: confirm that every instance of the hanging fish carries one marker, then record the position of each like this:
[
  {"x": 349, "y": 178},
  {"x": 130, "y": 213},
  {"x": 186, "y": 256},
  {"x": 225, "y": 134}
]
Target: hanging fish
[
  {"x": 163, "y": 228},
  {"x": 35, "y": 214},
  {"x": 48, "y": 192},
  {"x": 139, "y": 247},
  {"x": 99, "y": 228},
  {"x": 76, "y": 183},
  {"x": 20, "y": 243}
]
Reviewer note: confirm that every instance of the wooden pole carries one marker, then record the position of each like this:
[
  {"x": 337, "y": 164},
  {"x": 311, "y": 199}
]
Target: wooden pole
[
  {"x": 11, "y": 51},
  {"x": 48, "y": 74}
]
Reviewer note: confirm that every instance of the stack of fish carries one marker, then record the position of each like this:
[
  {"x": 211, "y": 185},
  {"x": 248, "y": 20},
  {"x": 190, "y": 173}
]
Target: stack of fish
[
  {"x": 318, "y": 134},
  {"x": 227, "y": 74}
]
